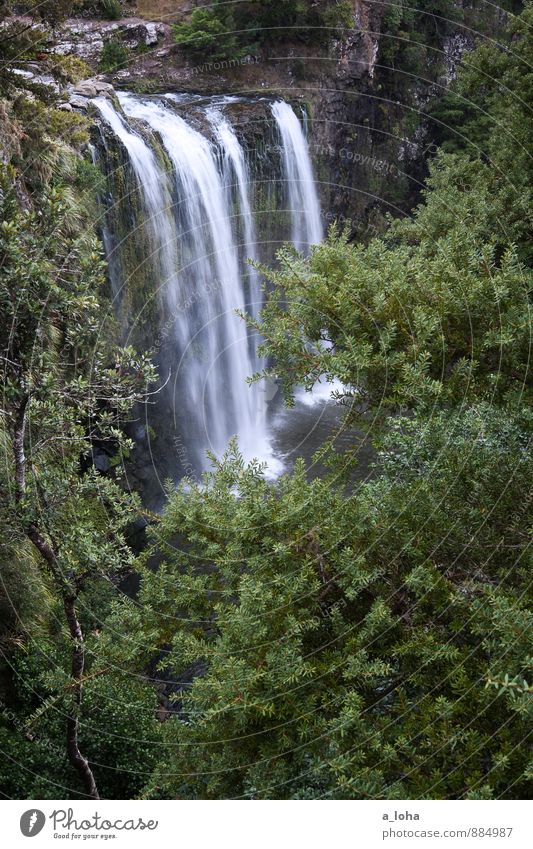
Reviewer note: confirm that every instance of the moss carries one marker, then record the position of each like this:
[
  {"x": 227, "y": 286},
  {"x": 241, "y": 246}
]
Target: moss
[
  {"x": 70, "y": 69},
  {"x": 146, "y": 85}
]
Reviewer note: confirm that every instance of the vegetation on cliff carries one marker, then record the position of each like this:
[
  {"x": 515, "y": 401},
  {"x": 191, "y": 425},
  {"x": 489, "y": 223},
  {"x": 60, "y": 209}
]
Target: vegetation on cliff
[
  {"x": 375, "y": 645},
  {"x": 223, "y": 29},
  {"x": 66, "y": 388}
]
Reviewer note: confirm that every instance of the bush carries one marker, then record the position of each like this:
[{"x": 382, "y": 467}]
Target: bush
[
  {"x": 205, "y": 32},
  {"x": 111, "y": 9},
  {"x": 114, "y": 57},
  {"x": 217, "y": 33},
  {"x": 69, "y": 69}
]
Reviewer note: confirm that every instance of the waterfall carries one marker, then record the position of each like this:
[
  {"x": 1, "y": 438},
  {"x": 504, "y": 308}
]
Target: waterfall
[
  {"x": 199, "y": 210},
  {"x": 153, "y": 186},
  {"x": 237, "y": 180},
  {"x": 298, "y": 173},
  {"x": 236, "y": 169}
]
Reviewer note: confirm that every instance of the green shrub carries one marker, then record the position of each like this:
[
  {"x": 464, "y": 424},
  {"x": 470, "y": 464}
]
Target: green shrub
[
  {"x": 219, "y": 32},
  {"x": 114, "y": 57},
  {"x": 111, "y": 9},
  {"x": 69, "y": 69},
  {"x": 205, "y": 32}
]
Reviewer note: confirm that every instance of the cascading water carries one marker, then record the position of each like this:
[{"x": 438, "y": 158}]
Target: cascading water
[
  {"x": 236, "y": 175},
  {"x": 153, "y": 184},
  {"x": 298, "y": 172},
  {"x": 208, "y": 256},
  {"x": 200, "y": 221}
]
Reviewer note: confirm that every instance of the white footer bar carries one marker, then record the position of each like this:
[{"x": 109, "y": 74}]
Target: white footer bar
[{"x": 267, "y": 825}]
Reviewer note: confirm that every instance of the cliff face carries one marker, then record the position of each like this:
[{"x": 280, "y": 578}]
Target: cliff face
[
  {"x": 368, "y": 131},
  {"x": 365, "y": 95},
  {"x": 372, "y": 135}
]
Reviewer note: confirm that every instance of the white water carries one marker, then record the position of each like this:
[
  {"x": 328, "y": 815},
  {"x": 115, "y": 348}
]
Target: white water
[
  {"x": 298, "y": 172},
  {"x": 200, "y": 217},
  {"x": 153, "y": 184},
  {"x": 236, "y": 174}
]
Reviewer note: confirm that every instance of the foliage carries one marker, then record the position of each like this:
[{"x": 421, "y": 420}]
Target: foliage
[
  {"x": 348, "y": 644},
  {"x": 63, "y": 388},
  {"x": 114, "y": 56},
  {"x": 25, "y": 595},
  {"x": 431, "y": 313},
  {"x": 205, "y": 32},
  {"x": 66, "y": 385},
  {"x": 226, "y": 30},
  {"x": 317, "y": 639},
  {"x": 50, "y": 12},
  {"x": 70, "y": 69},
  {"x": 119, "y": 730},
  {"x": 369, "y": 641},
  {"x": 412, "y": 34},
  {"x": 437, "y": 311},
  {"x": 477, "y": 119},
  {"x": 111, "y": 9}
]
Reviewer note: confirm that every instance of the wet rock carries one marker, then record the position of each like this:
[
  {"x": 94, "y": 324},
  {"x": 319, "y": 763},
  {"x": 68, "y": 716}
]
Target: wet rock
[
  {"x": 28, "y": 75},
  {"x": 153, "y": 33},
  {"x": 79, "y": 102},
  {"x": 101, "y": 461},
  {"x": 85, "y": 89},
  {"x": 33, "y": 76},
  {"x": 92, "y": 87},
  {"x": 103, "y": 88}
]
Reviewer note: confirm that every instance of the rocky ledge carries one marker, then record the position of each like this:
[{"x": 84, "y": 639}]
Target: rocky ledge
[
  {"x": 81, "y": 93},
  {"x": 86, "y": 39}
]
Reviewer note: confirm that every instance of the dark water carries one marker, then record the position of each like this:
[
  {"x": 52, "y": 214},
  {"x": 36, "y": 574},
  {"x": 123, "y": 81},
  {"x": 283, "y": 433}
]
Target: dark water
[{"x": 301, "y": 430}]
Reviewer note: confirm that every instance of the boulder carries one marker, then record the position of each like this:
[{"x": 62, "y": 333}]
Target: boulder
[
  {"x": 103, "y": 88},
  {"x": 79, "y": 102},
  {"x": 153, "y": 33},
  {"x": 92, "y": 87},
  {"x": 63, "y": 48},
  {"x": 86, "y": 88}
]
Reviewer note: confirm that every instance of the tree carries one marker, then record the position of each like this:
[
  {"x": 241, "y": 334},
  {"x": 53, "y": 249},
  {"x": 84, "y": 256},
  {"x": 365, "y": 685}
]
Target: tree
[
  {"x": 348, "y": 647},
  {"x": 435, "y": 312},
  {"x": 62, "y": 389},
  {"x": 221, "y": 31},
  {"x": 206, "y": 32},
  {"x": 438, "y": 310}
]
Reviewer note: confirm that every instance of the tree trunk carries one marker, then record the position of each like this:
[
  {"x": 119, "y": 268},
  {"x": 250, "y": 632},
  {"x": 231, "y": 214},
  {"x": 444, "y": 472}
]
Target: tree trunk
[
  {"x": 78, "y": 663},
  {"x": 68, "y": 595}
]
